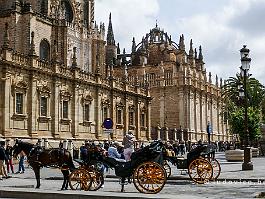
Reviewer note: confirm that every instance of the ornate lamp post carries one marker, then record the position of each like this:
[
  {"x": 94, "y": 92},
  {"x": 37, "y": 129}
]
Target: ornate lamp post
[{"x": 245, "y": 65}]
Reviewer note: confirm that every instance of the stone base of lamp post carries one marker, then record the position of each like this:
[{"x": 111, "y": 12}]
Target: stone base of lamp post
[{"x": 247, "y": 164}]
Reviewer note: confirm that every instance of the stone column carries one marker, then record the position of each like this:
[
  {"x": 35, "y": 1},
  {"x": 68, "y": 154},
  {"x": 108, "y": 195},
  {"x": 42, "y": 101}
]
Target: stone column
[
  {"x": 46, "y": 144},
  {"x": 166, "y": 133},
  {"x": 175, "y": 134},
  {"x": 65, "y": 144},
  {"x": 70, "y": 147},
  {"x": 158, "y": 128},
  {"x": 137, "y": 120},
  {"x": 31, "y": 106},
  {"x": 75, "y": 111},
  {"x": 55, "y": 109},
  {"x": 98, "y": 113},
  {"x": 148, "y": 118}
]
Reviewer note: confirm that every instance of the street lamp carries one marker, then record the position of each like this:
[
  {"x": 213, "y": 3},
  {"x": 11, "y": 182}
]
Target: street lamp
[{"x": 245, "y": 66}]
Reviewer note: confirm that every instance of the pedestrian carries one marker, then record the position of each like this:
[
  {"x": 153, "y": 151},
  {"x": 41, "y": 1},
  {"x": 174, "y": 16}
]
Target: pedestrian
[
  {"x": 128, "y": 142},
  {"x": 3, "y": 158},
  {"x": 9, "y": 161},
  {"x": 21, "y": 168}
]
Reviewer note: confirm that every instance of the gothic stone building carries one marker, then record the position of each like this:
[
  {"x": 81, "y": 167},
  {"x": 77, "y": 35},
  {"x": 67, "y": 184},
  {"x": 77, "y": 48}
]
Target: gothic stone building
[
  {"x": 184, "y": 98},
  {"x": 53, "y": 79}
]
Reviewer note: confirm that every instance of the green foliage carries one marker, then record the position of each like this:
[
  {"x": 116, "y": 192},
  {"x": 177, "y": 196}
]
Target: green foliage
[
  {"x": 234, "y": 106},
  {"x": 236, "y": 121}
]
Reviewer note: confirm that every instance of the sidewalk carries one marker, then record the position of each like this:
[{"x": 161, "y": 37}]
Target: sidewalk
[{"x": 179, "y": 186}]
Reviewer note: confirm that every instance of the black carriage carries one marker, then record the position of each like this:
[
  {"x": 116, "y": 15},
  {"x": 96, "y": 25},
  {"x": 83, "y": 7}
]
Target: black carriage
[
  {"x": 200, "y": 163},
  {"x": 145, "y": 169}
]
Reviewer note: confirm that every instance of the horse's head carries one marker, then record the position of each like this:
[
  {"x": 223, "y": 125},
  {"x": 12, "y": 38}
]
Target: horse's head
[{"x": 17, "y": 148}]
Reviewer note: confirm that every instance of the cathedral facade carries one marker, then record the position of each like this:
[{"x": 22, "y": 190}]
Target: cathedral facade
[
  {"x": 54, "y": 80},
  {"x": 186, "y": 100}
]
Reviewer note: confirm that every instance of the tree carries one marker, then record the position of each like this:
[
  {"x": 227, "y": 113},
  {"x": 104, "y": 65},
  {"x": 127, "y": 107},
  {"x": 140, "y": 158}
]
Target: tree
[{"x": 255, "y": 93}]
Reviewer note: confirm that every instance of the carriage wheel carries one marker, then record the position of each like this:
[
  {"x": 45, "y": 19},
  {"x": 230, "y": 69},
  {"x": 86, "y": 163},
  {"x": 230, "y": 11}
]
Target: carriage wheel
[
  {"x": 200, "y": 170},
  {"x": 80, "y": 179},
  {"x": 149, "y": 177},
  {"x": 167, "y": 169},
  {"x": 97, "y": 180},
  {"x": 216, "y": 168}
]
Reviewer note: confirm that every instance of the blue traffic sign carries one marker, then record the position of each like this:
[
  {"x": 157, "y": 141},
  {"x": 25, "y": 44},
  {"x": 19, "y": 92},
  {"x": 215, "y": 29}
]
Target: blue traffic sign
[{"x": 108, "y": 123}]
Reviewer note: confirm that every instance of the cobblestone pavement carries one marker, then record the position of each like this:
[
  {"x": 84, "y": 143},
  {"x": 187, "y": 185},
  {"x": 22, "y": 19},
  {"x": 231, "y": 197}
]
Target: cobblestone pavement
[{"x": 234, "y": 184}]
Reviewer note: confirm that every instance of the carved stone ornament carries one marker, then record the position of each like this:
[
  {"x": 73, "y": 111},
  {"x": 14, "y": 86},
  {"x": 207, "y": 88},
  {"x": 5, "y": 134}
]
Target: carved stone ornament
[
  {"x": 65, "y": 95},
  {"x": 87, "y": 99},
  {"x": 43, "y": 90},
  {"x": 20, "y": 86}
]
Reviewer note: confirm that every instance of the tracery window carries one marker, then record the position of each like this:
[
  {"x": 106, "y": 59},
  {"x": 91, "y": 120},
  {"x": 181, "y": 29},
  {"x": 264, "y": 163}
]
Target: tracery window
[
  {"x": 68, "y": 11},
  {"x": 44, "y": 50}
]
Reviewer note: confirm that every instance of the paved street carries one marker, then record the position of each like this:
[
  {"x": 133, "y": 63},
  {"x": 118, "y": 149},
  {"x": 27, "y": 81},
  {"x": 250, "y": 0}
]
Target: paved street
[{"x": 233, "y": 183}]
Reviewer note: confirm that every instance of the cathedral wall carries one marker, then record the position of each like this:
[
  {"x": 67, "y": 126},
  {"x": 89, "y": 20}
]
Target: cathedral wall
[{"x": 42, "y": 31}]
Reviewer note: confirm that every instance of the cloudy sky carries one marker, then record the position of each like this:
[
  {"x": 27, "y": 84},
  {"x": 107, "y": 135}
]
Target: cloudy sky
[{"x": 222, "y": 27}]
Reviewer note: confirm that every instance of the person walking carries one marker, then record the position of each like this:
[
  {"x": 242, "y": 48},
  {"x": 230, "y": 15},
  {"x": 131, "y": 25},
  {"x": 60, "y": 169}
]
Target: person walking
[
  {"x": 9, "y": 161},
  {"x": 21, "y": 168},
  {"x": 2, "y": 160},
  {"x": 128, "y": 142}
]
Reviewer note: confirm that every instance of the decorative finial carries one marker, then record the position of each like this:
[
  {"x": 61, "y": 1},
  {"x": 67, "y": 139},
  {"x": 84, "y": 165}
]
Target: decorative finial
[
  {"x": 32, "y": 44},
  {"x": 195, "y": 53},
  {"x": 210, "y": 77},
  {"x": 74, "y": 62},
  {"x": 133, "y": 45},
  {"x": 200, "y": 53},
  {"x": 118, "y": 49},
  {"x": 191, "y": 52}
]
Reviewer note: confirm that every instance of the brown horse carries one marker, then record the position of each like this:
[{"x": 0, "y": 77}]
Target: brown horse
[{"x": 39, "y": 157}]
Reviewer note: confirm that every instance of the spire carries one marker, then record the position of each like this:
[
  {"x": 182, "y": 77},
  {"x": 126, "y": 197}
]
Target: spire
[
  {"x": 210, "y": 77},
  {"x": 200, "y": 53},
  {"x": 118, "y": 49},
  {"x": 110, "y": 35},
  {"x": 124, "y": 56},
  {"x": 74, "y": 63},
  {"x": 195, "y": 53},
  {"x": 133, "y": 45},
  {"x": 191, "y": 52},
  {"x": 181, "y": 42},
  {"x": 216, "y": 81},
  {"x": 6, "y": 37},
  {"x": 221, "y": 82}
]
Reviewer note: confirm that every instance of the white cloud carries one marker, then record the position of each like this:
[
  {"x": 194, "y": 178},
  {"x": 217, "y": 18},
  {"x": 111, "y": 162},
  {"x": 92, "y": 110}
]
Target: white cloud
[
  {"x": 221, "y": 29},
  {"x": 129, "y": 18}
]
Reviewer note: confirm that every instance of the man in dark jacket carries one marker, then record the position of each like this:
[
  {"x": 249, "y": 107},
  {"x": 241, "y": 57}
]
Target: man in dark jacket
[{"x": 2, "y": 159}]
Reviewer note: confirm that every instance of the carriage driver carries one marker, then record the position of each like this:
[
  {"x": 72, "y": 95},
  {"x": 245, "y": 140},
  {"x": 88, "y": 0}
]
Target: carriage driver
[{"x": 128, "y": 142}]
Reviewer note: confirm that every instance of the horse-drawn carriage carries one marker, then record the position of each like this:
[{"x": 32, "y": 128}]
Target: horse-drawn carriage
[
  {"x": 145, "y": 169},
  {"x": 148, "y": 167},
  {"x": 200, "y": 163}
]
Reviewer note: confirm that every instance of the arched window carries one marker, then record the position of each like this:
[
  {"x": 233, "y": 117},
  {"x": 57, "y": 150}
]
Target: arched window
[
  {"x": 44, "y": 7},
  {"x": 44, "y": 50},
  {"x": 68, "y": 11},
  {"x": 86, "y": 15}
]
